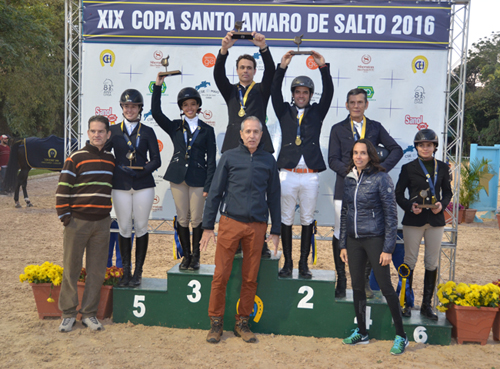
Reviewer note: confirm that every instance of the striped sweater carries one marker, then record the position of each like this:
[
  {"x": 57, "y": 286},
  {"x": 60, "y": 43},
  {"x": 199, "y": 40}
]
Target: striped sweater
[{"x": 84, "y": 188}]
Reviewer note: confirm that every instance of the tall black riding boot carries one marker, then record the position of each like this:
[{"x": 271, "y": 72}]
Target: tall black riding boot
[
  {"x": 409, "y": 284},
  {"x": 125, "y": 245},
  {"x": 195, "y": 259},
  {"x": 429, "y": 284},
  {"x": 340, "y": 268},
  {"x": 305, "y": 247},
  {"x": 141, "y": 249},
  {"x": 184, "y": 239},
  {"x": 368, "y": 290},
  {"x": 286, "y": 243}
]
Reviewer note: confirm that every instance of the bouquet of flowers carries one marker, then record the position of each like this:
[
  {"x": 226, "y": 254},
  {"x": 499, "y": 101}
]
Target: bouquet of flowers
[
  {"x": 467, "y": 295},
  {"x": 450, "y": 206},
  {"x": 112, "y": 277},
  {"x": 45, "y": 273}
]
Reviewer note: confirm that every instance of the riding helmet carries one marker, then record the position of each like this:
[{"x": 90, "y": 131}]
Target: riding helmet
[
  {"x": 303, "y": 81},
  {"x": 426, "y": 135},
  {"x": 188, "y": 93}
]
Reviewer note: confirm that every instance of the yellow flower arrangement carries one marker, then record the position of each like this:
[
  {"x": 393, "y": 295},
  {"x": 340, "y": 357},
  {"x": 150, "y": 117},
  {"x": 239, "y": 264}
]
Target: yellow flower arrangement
[
  {"x": 467, "y": 295},
  {"x": 45, "y": 273}
]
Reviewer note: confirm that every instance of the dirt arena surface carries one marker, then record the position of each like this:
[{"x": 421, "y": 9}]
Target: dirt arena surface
[{"x": 34, "y": 235}]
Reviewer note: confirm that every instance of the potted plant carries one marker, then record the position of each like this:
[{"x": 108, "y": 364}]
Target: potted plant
[
  {"x": 448, "y": 213},
  {"x": 112, "y": 277},
  {"x": 496, "y": 323},
  {"x": 470, "y": 308},
  {"x": 470, "y": 184},
  {"x": 45, "y": 281}
]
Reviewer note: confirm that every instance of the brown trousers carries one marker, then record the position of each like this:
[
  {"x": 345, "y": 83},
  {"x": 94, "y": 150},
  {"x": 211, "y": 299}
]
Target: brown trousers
[{"x": 228, "y": 238}]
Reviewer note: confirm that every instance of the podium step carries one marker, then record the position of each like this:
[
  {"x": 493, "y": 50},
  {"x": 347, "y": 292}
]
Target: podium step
[{"x": 287, "y": 306}]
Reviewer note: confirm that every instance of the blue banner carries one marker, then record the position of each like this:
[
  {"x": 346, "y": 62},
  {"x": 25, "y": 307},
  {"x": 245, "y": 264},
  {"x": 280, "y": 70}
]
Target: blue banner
[{"x": 335, "y": 23}]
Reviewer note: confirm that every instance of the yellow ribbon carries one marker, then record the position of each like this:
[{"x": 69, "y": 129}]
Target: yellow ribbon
[
  {"x": 246, "y": 94},
  {"x": 402, "y": 294},
  {"x": 363, "y": 128}
]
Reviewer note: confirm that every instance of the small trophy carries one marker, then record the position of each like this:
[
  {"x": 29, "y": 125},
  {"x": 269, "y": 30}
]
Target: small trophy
[
  {"x": 131, "y": 156},
  {"x": 238, "y": 35},
  {"x": 164, "y": 62},
  {"x": 298, "y": 40},
  {"x": 423, "y": 194}
]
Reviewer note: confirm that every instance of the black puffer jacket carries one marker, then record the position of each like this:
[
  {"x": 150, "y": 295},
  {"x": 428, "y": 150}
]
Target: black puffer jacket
[
  {"x": 369, "y": 208},
  {"x": 247, "y": 188}
]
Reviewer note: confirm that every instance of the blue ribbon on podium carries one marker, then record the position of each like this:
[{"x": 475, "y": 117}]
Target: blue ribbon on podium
[{"x": 177, "y": 244}]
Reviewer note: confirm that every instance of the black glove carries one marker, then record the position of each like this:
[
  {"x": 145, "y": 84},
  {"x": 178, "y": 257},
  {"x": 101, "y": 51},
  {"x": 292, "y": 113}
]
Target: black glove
[
  {"x": 66, "y": 219},
  {"x": 128, "y": 170}
]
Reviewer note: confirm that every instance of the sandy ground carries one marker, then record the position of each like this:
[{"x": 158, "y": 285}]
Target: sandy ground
[{"x": 34, "y": 235}]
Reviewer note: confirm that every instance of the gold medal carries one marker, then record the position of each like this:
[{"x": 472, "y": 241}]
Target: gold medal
[
  {"x": 241, "y": 113},
  {"x": 298, "y": 141}
]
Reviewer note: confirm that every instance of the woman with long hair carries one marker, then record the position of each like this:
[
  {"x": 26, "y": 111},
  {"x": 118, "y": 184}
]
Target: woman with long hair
[{"x": 368, "y": 231}]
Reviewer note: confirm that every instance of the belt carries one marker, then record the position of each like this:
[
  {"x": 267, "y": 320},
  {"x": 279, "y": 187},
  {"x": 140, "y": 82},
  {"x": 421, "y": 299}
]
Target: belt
[{"x": 302, "y": 170}]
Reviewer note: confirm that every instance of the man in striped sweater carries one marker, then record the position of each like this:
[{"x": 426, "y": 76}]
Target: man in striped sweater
[{"x": 83, "y": 203}]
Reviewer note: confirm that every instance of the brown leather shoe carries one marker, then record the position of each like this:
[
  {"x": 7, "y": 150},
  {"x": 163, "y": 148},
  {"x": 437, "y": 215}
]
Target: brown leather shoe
[
  {"x": 216, "y": 331},
  {"x": 241, "y": 329}
]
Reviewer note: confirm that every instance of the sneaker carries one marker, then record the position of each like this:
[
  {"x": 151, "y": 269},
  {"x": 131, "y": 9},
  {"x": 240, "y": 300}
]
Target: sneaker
[
  {"x": 356, "y": 338},
  {"x": 67, "y": 324},
  {"x": 400, "y": 344},
  {"x": 92, "y": 323},
  {"x": 241, "y": 329},
  {"x": 216, "y": 330}
]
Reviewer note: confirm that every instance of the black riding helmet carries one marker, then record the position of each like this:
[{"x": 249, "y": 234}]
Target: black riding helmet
[
  {"x": 188, "y": 93},
  {"x": 303, "y": 81},
  {"x": 132, "y": 96},
  {"x": 426, "y": 135}
]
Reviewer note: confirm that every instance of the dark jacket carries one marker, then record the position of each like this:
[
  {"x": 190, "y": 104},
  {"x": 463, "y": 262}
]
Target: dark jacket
[
  {"x": 147, "y": 152},
  {"x": 412, "y": 177},
  {"x": 199, "y": 169},
  {"x": 256, "y": 104},
  {"x": 369, "y": 208},
  {"x": 310, "y": 128},
  {"x": 342, "y": 141},
  {"x": 247, "y": 188}
]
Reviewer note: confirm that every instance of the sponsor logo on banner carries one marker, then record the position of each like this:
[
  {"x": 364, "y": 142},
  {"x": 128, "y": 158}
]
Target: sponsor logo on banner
[
  {"x": 366, "y": 59},
  {"x": 108, "y": 113},
  {"x": 258, "y": 308},
  {"x": 419, "y": 64},
  {"x": 160, "y": 145},
  {"x": 157, "y": 204},
  {"x": 157, "y": 55},
  {"x": 369, "y": 91},
  {"x": 203, "y": 84},
  {"x": 148, "y": 118},
  {"x": 208, "y": 60},
  {"x": 419, "y": 95},
  {"x": 107, "y": 88},
  {"x": 311, "y": 64},
  {"x": 163, "y": 87},
  {"x": 416, "y": 121},
  {"x": 207, "y": 117},
  {"x": 409, "y": 153},
  {"x": 107, "y": 57}
]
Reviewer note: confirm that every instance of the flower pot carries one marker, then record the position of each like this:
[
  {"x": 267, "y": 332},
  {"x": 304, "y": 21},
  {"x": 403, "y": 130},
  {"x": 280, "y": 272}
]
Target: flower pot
[
  {"x": 471, "y": 324},
  {"x": 41, "y": 291},
  {"x": 496, "y": 325},
  {"x": 105, "y": 308},
  {"x": 469, "y": 215}
]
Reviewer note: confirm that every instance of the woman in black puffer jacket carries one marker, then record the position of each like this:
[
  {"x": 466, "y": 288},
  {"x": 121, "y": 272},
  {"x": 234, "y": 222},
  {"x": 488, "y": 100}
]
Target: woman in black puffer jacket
[{"x": 368, "y": 226}]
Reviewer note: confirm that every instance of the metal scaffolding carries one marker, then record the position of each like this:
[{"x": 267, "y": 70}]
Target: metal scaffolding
[
  {"x": 452, "y": 137},
  {"x": 72, "y": 72}
]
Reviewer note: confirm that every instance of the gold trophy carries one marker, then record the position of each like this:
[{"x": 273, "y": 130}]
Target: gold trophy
[
  {"x": 238, "y": 35},
  {"x": 298, "y": 40},
  {"x": 423, "y": 194},
  {"x": 164, "y": 62},
  {"x": 131, "y": 156}
]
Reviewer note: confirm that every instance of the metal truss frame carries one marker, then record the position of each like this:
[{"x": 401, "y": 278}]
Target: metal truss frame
[{"x": 452, "y": 137}]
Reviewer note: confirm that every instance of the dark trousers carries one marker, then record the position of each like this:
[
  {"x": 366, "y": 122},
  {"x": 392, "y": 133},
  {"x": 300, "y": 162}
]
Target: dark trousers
[{"x": 359, "y": 250}]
